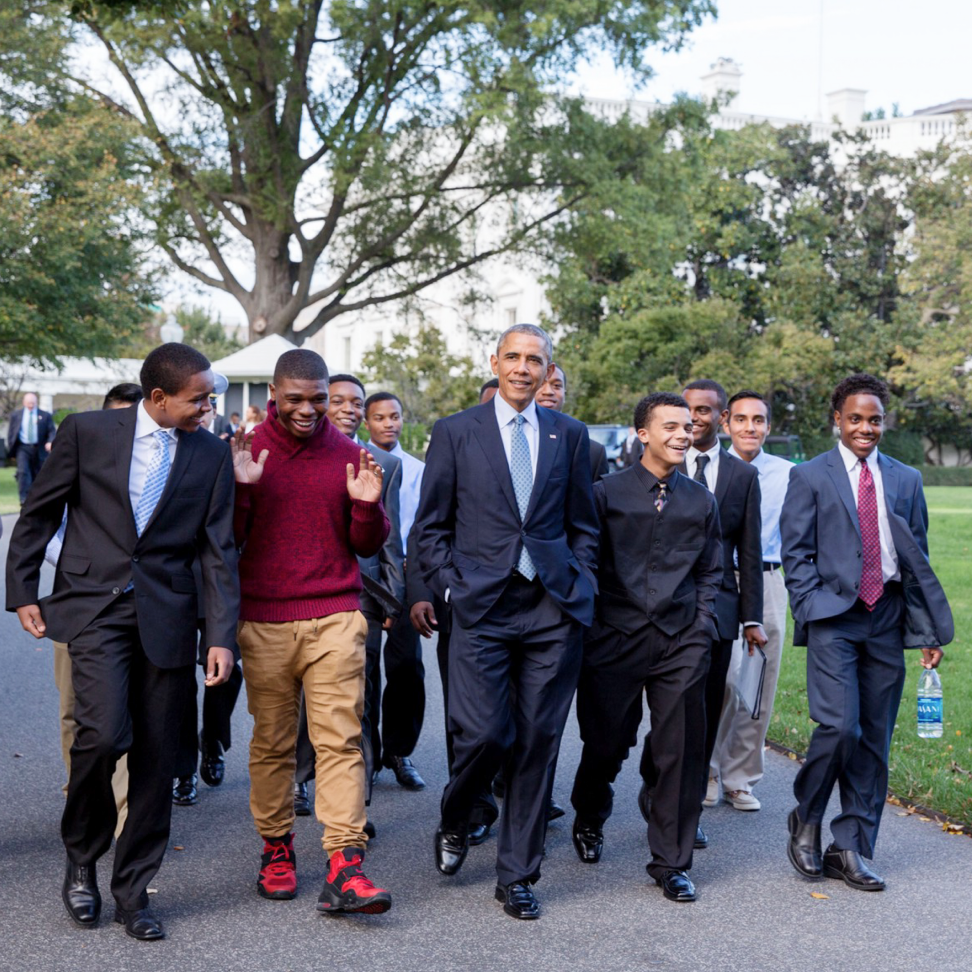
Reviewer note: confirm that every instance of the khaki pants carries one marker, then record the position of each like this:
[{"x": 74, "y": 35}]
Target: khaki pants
[
  {"x": 65, "y": 687},
  {"x": 327, "y": 657},
  {"x": 738, "y": 756}
]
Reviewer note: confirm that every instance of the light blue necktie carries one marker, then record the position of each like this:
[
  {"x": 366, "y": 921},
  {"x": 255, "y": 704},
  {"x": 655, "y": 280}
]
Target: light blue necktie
[
  {"x": 32, "y": 428},
  {"x": 155, "y": 477},
  {"x": 521, "y": 470}
]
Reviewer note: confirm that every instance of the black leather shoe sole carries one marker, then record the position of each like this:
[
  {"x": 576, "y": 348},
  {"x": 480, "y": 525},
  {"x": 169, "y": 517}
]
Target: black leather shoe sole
[
  {"x": 840, "y": 875},
  {"x": 449, "y": 855},
  {"x": 701, "y": 841},
  {"x": 140, "y": 925},
  {"x": 793, "y": 823},
  {"x": 554, "y": 810},
  {"x": 680, "y": 895},
  {"x": 212, "y": 771},
  {"x": 527, "y": 908},
  {"x": 478, "y": 834}
]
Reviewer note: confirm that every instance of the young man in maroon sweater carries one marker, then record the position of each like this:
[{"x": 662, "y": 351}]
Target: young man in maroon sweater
[{"x": 302, "y": 516}]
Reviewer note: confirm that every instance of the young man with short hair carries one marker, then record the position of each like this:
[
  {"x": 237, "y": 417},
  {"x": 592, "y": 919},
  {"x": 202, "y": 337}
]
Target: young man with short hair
[
  {"x": 737, "y": 760},
  {"x": 302, "y": 514},
  {"x": 855, "y": 552},
  {"x": 146, "y": 498},
  {"x": 659, "y": 567},
  {"x": 403, "y": 699}
]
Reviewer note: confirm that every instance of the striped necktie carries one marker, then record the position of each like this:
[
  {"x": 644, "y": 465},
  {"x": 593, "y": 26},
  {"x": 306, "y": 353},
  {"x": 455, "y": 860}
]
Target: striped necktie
[
  {"x": 155, "y": 478},
  {"x": 521, "y": 471}
]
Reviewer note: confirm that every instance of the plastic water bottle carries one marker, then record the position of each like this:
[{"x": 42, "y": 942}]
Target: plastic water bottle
[{"x": 930, "y": 705}]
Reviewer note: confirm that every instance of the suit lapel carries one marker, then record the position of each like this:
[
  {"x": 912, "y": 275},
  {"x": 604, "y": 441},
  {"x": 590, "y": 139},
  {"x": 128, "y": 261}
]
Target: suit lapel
[
  {"x": 723, "y": 477},
  {"x": 491, "y": 443},
  {"x": 838, "y": 473},
  {"x": 187, "y": 443},
  {"x": 547, "y": 445},
  {"x": 889, "y": 479},
  {"x": 123, "y": 442}
]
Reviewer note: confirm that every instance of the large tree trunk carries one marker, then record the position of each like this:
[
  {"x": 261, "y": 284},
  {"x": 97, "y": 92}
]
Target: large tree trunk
[{"x": 272, "y": 306}]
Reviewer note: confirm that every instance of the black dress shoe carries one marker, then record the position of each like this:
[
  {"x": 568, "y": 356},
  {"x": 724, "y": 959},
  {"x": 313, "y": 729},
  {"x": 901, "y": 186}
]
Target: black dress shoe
[
  {"x": 848, "y": 866},
  {"x": 184, "y": 792},
  {"x": 212, "y": 766},
  {"x": 140, "y": 924},
  {"x": 588, "y": 841},
  {"x": 803, "y": 850},
  {"x": 499, "y": 787},
  {"x": 302, "y": 807},
  {"x": 405, "y": 772},
  {"x": 478, "y": 833},
  {"x": 369, "y": 829},
  {"x": 676, "y": 886},
  {"x": 80, "y": 893},
  {"x": 554, "y": 810},
  {"x": 644, "y": 802},
  {"x": 518, "y": 899},
  {"x": 450, "y": 851},
  {"x": 701, "y": 840}
]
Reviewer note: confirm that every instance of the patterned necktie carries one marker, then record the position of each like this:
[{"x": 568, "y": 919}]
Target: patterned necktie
[
  {"x": 521, "y": 471},
  {"x": 32, "y": 427},
  {"x": 701, "y": 461},
  {"x": 155, "y": 477},
  {"x": 661, "y": 498},
  {"x": 872, "y": 577}
]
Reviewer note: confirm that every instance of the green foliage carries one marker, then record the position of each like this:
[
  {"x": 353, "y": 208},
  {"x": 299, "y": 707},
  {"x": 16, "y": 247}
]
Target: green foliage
[
  {"x": 73, "y": 279},
  {"x": 358, "y": 152},
  {"x": 205, "y": 334},
  {"x": 418, "y": 368}
]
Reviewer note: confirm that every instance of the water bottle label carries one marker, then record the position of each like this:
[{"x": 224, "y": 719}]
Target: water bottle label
[{"x": 930, "y": 711}]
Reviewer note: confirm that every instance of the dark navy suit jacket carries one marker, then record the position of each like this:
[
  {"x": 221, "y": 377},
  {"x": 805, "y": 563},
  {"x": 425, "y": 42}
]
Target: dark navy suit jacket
[
  {"x": 822, "y": 549},
  {"x": 468, "y": 522}
]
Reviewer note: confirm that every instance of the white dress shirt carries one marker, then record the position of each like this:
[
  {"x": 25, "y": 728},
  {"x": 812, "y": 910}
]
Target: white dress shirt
[
  {"x": 506, "y": 419},
  {"x": 889, "y": 556},
  {"x": 412, "y": 471},
  {"x": 711, "y": 471},
  {"x": 774, "y": 477},
  {"x": 143, "y": 448}
]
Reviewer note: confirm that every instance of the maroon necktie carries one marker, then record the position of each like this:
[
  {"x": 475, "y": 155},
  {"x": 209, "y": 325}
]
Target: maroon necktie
[{"x": 872, "y": 578}]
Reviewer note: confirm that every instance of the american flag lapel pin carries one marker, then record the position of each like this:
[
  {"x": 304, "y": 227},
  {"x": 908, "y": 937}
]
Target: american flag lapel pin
[{"x": 553, "y": 435}]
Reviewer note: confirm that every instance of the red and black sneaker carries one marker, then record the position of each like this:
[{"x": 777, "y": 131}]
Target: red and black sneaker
[
  {"x": 347, "y": 890},
  {"x": 278, "y": 871}
]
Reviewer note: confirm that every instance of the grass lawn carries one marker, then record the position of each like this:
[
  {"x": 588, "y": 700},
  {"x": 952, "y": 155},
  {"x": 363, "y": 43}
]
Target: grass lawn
[
  {"x": 9, "y": 498},
  {"x": 934, "y": 772}
]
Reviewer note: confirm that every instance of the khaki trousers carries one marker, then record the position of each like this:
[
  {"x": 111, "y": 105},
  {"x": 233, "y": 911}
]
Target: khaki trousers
[
  {"x": 65, "y": 687},
  {"x": 738, "y": 756},
  {"x": 327, "y": 657}
]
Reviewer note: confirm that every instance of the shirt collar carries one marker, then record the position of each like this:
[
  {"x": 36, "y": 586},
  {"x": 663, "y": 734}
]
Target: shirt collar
[
  {"x": 651, "y": 480},
  {"x": 756, "y": 461},
  {"x": 396, "y": 449},
  {"x": 506, "y": 413},
  {"x": 850, "y": 460},
  {"x": 711, "y": 453},
  {"x": 146, "y": 425}
]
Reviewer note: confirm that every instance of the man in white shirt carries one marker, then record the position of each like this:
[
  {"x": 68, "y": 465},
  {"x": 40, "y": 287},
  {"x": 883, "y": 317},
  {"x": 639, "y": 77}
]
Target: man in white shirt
[
  {"x": 403, "y": 699},
  {"x": 737, "y": 761}
]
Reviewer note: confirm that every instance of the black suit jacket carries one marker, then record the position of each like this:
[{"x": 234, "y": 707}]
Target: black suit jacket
[
  {"x": 599, "y": 463},
  {"x": 738, "y": 496},
  {"x": 45, "y": 430},
  {"x": 661, "y": 569},
  {"x": 823, "y": 553},
  {"x": 468, "y": 522},
  {"x": 386, "y": 569},
  {"x": 88, "y": 471}
]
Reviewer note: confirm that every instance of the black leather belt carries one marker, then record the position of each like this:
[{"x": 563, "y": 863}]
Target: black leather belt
[{"x": 768, "y": 566}]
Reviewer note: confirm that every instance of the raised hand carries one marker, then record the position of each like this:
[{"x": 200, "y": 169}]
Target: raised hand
[
  {"x": 246, "y": 469},
  {"x": 366, "y": 486}
]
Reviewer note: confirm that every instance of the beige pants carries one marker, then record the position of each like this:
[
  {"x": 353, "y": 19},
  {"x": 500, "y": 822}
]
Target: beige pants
[
  {"x": 65, "y": 686},
  {"x": 327, "y": 657},
  {"x": 738, "y": 755}
]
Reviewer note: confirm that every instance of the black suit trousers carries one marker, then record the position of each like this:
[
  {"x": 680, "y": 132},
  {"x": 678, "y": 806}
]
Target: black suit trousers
[
  {"x": 403, "y": 698},
  {"x": 219, "y": 701},
  {"x": 855, "y": 675},
  {"x": 511, "y": 682},
  {"x": 124, "y": 703},
  {"x": 671, "y": 671},
  {"x": 29, "y": 460}
]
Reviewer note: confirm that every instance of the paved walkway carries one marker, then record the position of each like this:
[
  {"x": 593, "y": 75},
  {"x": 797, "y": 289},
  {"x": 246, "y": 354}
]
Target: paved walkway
[{"x": 754, "y": 913}]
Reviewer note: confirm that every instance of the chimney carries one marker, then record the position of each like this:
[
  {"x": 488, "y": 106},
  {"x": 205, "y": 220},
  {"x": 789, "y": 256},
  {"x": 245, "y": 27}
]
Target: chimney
[
  {"x": 722, "y": 79},
  {"x": 847, "y": 106}
]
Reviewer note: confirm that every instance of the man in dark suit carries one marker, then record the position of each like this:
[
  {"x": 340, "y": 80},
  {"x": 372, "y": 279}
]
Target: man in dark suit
[
  {"x": 736, "y": 488},
  {"x": 855, "y": 553},
  {"x": 382, "y": 599},
  {"x": 659, "y": 567},
  {"x": 29, "y": 438},
  {"x": 507, "y": 533},
  {"x": 146, "y": 497},
  {"x": 551, "y": 395}
]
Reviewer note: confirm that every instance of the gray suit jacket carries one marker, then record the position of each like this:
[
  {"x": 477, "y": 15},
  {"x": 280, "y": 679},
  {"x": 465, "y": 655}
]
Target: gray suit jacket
[{"x": 822, "y": 548}]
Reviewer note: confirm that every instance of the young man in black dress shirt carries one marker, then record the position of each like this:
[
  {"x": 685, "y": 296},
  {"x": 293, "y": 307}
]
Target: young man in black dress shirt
[{"x": 659, "y": 567}]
